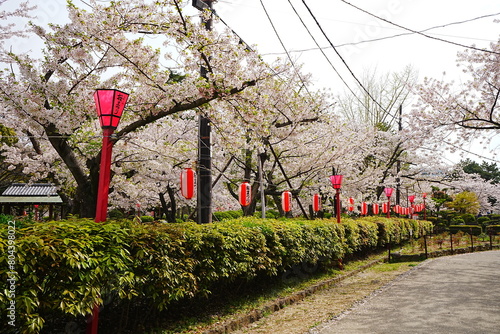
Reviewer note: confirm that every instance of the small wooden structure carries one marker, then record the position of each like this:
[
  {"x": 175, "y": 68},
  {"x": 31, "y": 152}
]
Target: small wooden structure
[{"x": 20, "y": 198}]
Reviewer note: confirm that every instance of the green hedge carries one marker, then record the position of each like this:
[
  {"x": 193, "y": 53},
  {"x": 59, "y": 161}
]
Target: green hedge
[
  {"x": 68, "y": 266},
  {"x": 493, "y": 229},
  {"x": 470, "y": 229}
]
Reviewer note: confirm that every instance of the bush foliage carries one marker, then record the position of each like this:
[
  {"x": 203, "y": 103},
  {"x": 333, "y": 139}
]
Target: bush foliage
[{"x": 69, "y": 266}]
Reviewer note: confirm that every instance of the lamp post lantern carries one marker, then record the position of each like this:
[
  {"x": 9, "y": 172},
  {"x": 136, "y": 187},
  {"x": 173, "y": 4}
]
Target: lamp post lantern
[
  {"x": 336, "y": 181},
  {"x": 109, "y": 104},
  {"x": 424, "y": 196},
  {"x": 388, "y": 193},
  {"x": 411, "y": 199}
]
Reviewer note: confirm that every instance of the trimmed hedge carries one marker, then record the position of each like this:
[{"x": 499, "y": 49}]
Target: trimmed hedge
[
  {"x": 68, "y": 266},
  {"x": 493, "y": 230},
  {"x": 469, "y": 229}
]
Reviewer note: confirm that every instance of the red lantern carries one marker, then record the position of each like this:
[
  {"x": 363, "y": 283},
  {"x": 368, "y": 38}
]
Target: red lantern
[
  {"x": 187, "y": 183},
  {"x": 384, "y": 207},
  {"x": 375, "y": 208},
  {"x": 411, "y": 198},
  {"x": 110, "y": 104},
  {"x": 351, "y": 204},
  {"x": 316, "y": 202},
  {"x": 286, "y": 201},
  {"x": 364, "y": 208},
  {"x": 245, "y": 194}
]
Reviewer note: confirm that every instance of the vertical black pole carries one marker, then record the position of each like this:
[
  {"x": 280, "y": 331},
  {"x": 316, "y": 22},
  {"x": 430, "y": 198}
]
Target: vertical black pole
[
  {"x": 398, "y": 163},
  {"x": 204, "y": 175}
]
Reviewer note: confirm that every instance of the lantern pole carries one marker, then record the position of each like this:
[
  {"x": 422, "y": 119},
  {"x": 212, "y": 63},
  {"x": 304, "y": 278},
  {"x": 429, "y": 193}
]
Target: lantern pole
[
  {"x": 109, "y": 104},
  {"x": 104, "y": 175},
  {"x": 425, "y": 213},
  {"x": 388, "y": 193},
  {"x": 337, "y": 183}
]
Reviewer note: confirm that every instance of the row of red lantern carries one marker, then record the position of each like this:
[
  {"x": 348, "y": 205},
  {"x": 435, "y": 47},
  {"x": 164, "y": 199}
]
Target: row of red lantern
[
  {"x": 187, "y": 187},
  {"x": 245, "y": 196},
  {"x": 375, "y": 208}
]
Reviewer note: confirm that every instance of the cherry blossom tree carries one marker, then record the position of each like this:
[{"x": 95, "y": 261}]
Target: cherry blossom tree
[
  {"x": 454, "y": 113},
  {"x": 106, "y": 48}
]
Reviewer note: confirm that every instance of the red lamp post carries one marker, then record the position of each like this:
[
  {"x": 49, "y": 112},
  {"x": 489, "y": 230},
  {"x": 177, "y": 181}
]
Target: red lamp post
[
  {"x": 336, "y": 181},
  {"x": 411, "y": 199},
  {"x": 109, "y": 104},
  {"x": 424, "y": 196},
  {"x": 388, "y": 193}
]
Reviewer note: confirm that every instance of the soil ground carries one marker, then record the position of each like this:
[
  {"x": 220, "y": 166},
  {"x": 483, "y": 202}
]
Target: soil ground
[{"x": 328, "y": 303}]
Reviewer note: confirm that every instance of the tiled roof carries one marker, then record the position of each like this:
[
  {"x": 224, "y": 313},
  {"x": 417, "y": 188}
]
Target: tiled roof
[{"x": 35, "y": 189}]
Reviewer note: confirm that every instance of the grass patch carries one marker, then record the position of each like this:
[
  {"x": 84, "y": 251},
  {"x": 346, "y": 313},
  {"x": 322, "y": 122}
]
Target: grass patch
[{"x": 386, "y": 267}]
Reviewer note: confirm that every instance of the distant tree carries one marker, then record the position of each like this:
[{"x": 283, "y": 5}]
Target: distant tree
[
  {"x": 439, "y": 197},
  {"x": 487, "y": 171},
  {"x": 465, "y": 202}
]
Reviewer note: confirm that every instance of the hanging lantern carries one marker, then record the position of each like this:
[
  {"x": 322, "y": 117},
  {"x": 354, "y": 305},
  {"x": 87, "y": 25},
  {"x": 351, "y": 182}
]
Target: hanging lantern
[
  {"x": 411, "y": 198},
  {"x": 286, "y": 201},
  {"x": 110, "y": 104},
  {"x": 384, "y": 207},
  {"x": 351, "y": 204},
  {"x": 316, "y": 202},
  {"x": 375, "y": 208},
  {"x": 187, "y": 183},
  {"x": 364, "y": 209},
  {"x": 245, "y": 194}
]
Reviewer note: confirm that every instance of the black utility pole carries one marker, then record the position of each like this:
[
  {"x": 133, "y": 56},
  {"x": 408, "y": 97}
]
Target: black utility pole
[
  {"x": 204, "y": 175},
  {"x": 398, "y": 164}
]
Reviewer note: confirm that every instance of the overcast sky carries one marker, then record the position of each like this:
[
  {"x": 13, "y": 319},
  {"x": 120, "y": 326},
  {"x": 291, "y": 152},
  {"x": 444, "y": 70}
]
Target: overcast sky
[
  {"x": 347, "y": 29},
  {"x": 344, "y": 25}
]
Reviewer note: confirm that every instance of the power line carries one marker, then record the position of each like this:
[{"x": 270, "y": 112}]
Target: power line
[
  {"x": 402, "y": 34},
  {"x": 418, "y": 32},
  {"x": 342, "y": 58},
  {"x": 283, "y": 45},
  {"x": 317, "y": 44}
]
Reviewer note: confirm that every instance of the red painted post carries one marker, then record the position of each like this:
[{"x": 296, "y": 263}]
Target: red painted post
[{"x": 104, "y": 176}]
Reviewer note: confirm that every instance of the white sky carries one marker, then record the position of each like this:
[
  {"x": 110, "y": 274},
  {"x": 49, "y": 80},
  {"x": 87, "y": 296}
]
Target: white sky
[{"x": 342, "y": 25}]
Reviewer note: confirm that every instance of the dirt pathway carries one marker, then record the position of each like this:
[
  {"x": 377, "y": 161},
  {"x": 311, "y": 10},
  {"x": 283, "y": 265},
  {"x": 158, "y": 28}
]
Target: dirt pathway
[{"x": 328, "y": 303}]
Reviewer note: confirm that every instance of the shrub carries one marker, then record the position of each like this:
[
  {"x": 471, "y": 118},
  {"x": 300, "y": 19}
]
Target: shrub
[
  {"x": 470, "y": 229},
  {"x": 457, "y": 221},
  {"x": 69, "y": 266},
  {"x": 147, "y": 219},
  {"x": 468, "y": 218},
  {"x": 483, "y": 220}
]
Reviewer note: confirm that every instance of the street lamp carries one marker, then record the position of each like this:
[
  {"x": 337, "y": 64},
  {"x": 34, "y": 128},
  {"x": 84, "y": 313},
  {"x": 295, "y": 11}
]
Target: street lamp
[
  {"x": 388, "y": 193},
  {"x": 424, "y": 196},
  {"x": 411, "y": 199},
  {"x": 109, "y": 104},
  {"x": 336, "y": 181}
]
